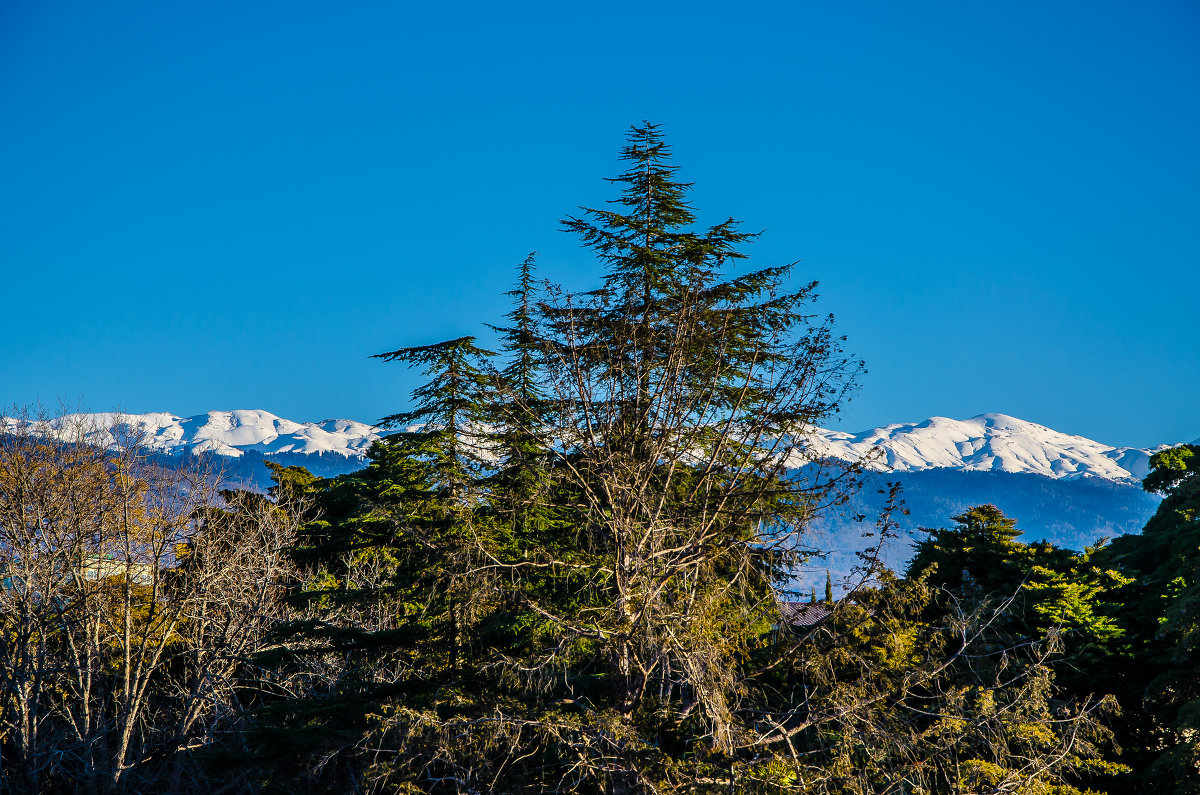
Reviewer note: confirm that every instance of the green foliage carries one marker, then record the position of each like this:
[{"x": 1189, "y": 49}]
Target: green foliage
[
  {"x": 980, "y": 553},
  {"x": 563, "y": 573},
  {"x": 1045, "y": 589},
  {"x": 1128, "y": 614},
  {"x": 898, "y": 703},
  {"x": 444, "y": 430},
  {"x": 1168, "y": 468},
  {"x": 292, "y": 485},
  {"x": 1066, "y": 595},
  {"x": 1160, "y": 682}
]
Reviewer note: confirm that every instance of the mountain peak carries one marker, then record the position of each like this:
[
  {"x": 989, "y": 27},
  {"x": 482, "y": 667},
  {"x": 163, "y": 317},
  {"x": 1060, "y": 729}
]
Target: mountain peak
[{"x": 987, "y": 442}]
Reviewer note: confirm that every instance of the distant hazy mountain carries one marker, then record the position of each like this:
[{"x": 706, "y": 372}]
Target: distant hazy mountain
[
  {"x": 1072, "y": 513},
  {"x": 1068, "y": 489}
]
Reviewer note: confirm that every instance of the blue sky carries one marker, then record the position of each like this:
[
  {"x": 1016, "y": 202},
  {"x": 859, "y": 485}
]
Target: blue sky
[{"x": 231, "y": 205}]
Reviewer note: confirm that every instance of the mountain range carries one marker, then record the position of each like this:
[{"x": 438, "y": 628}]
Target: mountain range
[
  {"x": 232, "y": 434},
  {"x": 988, "y": 442},
  {"x": 1064, "y": 488}
]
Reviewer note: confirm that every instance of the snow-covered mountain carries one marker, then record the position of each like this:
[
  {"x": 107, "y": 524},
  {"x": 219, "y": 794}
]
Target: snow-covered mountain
[
  {"x": 989, "y": 442},
  {"x": 226, "y": 433}
]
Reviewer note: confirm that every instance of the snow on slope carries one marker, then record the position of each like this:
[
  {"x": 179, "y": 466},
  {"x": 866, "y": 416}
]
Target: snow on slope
[
  {"x": 227, "y": 433},
  {"x": 994, "y": 442}
]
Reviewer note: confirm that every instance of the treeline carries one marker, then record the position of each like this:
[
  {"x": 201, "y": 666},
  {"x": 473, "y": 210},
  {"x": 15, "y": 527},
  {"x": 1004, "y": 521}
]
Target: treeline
[
  {"x": 251, "y": 471},
  {"x": 575, "y": 575},
  {"x": 1069, "y": 513}
]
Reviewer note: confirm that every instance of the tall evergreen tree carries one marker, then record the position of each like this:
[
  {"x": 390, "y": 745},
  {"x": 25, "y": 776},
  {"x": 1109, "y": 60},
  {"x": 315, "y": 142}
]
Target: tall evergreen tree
[
  {"x": 445, "y": 428},
  {"x": 564, "y": 574},
  {"x": 385, "y": 617},
  {"x": 677, "y": 399},
  {"x": 517, "y": 410}
]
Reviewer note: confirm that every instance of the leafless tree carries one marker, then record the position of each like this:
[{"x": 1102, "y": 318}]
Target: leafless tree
[{"x": 134, "y": 594}]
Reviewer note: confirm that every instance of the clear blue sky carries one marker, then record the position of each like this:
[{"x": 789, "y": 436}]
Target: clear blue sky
[{"x": 231, "y": 205}]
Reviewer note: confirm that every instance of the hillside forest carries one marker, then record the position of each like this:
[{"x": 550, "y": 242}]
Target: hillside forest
[{"x": 571, "y": 569}]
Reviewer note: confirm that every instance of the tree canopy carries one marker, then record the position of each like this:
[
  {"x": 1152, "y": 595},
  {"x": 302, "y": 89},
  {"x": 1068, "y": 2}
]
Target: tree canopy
[
  {"x": 566, "y": 570},
  {"x": 570, "y": 568}
]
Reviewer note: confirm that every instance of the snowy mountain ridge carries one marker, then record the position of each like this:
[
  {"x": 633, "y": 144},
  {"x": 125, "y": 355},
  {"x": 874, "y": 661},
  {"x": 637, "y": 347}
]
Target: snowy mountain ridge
[
  {"x": 988, "y": 442},
  {"x": 226, "y": 433}
]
